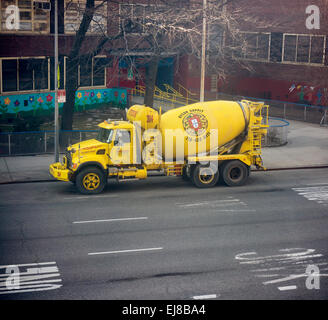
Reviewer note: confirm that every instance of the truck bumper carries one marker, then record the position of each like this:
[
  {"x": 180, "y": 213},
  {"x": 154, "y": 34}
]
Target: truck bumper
[{"x": 60, "y": 172}]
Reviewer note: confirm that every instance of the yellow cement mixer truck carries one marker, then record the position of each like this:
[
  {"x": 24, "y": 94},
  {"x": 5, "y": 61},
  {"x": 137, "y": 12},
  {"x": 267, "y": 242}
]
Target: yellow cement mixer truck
[{"x": 203, "y": 142}]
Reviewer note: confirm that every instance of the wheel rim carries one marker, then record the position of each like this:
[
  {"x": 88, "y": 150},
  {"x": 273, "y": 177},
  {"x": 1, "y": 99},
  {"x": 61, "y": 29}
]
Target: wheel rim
[
  {"x": 235, "y": 173},
  {"x": 206, "y": 178},
  {"x": 91, "y": 181}
]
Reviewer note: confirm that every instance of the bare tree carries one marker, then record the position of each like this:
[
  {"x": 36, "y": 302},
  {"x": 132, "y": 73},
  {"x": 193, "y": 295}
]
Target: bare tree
[{"x": 158, "y": 28}]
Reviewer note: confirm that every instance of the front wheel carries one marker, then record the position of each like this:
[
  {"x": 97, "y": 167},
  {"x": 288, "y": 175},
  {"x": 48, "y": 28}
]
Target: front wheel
[
  {"x": 235, "y": 173},
  {"x": 90, "y": 181},
  {"x": 204, "y": 176}
]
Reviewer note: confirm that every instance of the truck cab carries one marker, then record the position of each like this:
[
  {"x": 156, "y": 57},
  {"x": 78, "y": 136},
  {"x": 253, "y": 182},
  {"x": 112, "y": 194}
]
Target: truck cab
[
  {"x": 118, "y": 138},
  {"x": 88, "y": 164}
]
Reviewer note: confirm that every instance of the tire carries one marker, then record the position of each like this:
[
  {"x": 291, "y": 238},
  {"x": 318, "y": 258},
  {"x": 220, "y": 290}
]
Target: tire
[
  {"x": 90, "y": 180},
  {"x": 234, "y": 173},
  {"x": 204, "y": 176},
  {"x": 185, "y": 175}
]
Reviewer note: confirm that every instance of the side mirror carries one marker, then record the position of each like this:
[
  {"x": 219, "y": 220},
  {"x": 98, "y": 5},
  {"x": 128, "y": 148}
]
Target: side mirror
[{"x": 116, "y": 142}]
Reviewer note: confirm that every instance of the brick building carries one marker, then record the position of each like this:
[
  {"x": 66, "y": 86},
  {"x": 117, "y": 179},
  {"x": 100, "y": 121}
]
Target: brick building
[
  {"x": 280, "y": 59},
  {"x": 286, "y": 49}
]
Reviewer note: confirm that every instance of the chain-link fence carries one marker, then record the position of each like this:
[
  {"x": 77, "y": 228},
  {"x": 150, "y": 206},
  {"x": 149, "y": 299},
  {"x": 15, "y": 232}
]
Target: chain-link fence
[
  {"x": 42, "y": 142},
  {"x": 39, "y": 142},
  {"x": 287, "y": 110}
]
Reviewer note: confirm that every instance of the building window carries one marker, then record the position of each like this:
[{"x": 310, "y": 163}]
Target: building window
[
  {"x": 74, "y": 10},
  {"x": 9, "y": 75},
  {"x": 276, "y": 44},
  {"x": 86, "y": 73},
  {"x": 252, "y": 46},
  {"x": 25, "y": 74},
  {"x": 215, "y": 37},
  {"x": 132, "y": 18},
  {"x": 91, "y": 72},
  {"x": 31, "y": 18},
  {"x": 99, "y": 70},
  {"x": 138, "y": 18},
  {"x": 304, "y": 48},
  {"x": 35, "y": 74}
]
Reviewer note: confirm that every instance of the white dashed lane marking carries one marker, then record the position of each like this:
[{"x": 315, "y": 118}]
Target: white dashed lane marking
[
  {"x": 287, "y": 288},
  {"x": 123, "y": 251},
  {"x": 229, "y": 205},
  {"x": 205, "y": 297},
  {"x": 110, "y": 220}
]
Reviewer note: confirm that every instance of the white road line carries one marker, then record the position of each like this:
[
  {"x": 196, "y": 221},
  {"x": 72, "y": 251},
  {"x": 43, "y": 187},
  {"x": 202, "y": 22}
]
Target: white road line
[
  {"x": 110, "y": 220},
  {"x": 123, "y": 251},
  {"x": 287, "y": 288},
  {"x": 318, "y": 194},
  {"x": 24, "y": 283},
  {"x": 28, "y": 264},
  {"x": 29, "y": 277},
  {"x": 292, "y": 277},
  {"x": 42, "y": 287},
  {"x": 205, "y": 297},
  {"x": 268, "y": 269},
  {"x": 217, "y": 202},
  {"x": 238, "y": 210},
  {"x": 22, "y": 279}
]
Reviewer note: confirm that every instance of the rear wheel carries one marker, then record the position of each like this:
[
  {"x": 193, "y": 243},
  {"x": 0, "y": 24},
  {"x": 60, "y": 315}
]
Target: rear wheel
[
  {"x": 234, "y": 173},
  {"x": 90, "y": 181},
  {"x": 204, "y": 176}
]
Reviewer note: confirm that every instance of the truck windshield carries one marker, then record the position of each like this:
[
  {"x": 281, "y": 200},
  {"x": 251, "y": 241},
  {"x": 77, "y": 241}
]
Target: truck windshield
[{"x": 105, "y": 135}]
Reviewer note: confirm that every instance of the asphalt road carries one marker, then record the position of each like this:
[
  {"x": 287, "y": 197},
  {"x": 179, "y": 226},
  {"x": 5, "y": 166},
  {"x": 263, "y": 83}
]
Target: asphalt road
[{"x": 162, "y": 238}]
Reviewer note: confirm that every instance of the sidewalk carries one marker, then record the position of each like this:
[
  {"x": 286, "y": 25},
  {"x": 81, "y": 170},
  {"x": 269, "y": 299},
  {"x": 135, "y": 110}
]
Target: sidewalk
[{"x": 307, "y": 147}]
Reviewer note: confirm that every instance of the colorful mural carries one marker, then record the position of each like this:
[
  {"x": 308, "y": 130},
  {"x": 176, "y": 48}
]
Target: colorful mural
[
  {"x": 36, "y": 104},
  {"x": 308, "y": 94}
]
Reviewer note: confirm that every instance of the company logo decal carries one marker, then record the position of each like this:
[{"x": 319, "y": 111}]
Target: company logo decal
[{"x": 195, "y": 124}]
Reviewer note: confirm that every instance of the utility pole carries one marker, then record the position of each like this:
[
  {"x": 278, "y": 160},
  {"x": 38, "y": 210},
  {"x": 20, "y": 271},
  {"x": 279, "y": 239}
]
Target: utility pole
[
  {"x": 56, "y": 85},
  {"x": 202, "y": 72}
]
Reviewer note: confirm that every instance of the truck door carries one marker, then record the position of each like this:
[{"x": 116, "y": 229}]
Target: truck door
[{"x": 122, "y": 146}]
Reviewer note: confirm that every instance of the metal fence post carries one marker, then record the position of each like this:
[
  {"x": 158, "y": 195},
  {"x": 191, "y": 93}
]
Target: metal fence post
[
  {"x": 9, "y": 146},
  {"x": 304, "y": 113},
  {"x": 284, "y": 110},
  {"x": 45, "y": 142}
]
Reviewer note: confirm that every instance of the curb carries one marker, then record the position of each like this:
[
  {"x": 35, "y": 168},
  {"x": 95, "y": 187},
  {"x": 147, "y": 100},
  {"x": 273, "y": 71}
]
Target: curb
[{"x": 162, "y": 175}]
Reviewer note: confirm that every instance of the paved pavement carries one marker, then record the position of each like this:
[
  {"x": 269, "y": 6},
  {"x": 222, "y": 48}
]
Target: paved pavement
[{"x": 307, "y": 147}]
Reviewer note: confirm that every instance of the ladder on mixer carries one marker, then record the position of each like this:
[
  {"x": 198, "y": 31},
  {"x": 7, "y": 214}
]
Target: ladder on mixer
[{"x": 256, "y": 140}]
